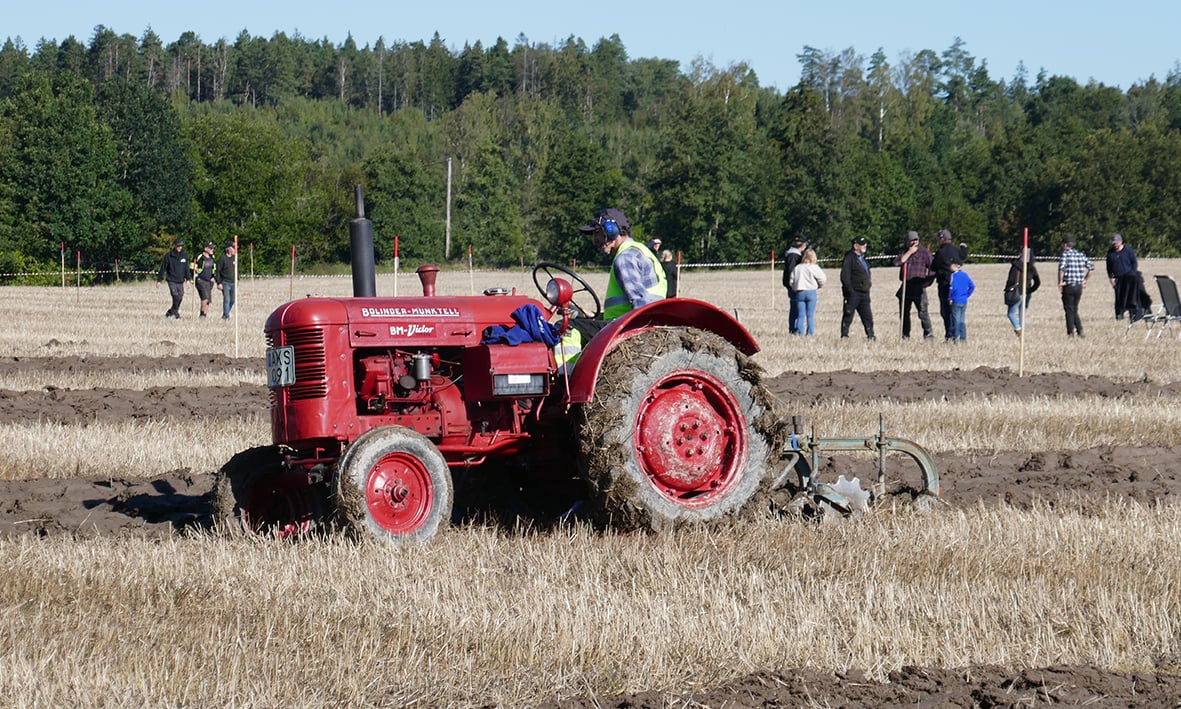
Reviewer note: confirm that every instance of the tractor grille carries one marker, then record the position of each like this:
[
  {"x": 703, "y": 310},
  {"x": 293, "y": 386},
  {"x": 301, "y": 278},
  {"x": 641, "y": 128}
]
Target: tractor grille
[{"x": 311, "y": 367}]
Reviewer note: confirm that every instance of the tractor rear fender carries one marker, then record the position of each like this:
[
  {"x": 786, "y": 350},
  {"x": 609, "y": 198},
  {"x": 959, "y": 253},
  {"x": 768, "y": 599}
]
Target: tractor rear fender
[{"x": 673, "y": 312}]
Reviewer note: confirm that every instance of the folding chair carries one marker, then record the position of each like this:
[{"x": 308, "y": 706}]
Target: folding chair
[{"x": 1170, "y": 308}]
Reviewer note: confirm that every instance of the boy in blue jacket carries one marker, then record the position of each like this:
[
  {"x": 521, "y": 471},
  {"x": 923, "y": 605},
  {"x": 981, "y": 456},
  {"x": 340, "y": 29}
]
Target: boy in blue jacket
[{"x": 961, "y": 289}]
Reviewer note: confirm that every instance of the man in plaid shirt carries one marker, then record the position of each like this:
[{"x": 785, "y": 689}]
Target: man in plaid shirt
[
  {"x": 914, "y": 270},
  {"x": 1074, "y": 270}
]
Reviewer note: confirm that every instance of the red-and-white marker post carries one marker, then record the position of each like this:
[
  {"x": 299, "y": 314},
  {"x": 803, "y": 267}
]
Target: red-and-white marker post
[
  {"x": 1021, "y": 303},
  {"x": 237, "y": 292}
]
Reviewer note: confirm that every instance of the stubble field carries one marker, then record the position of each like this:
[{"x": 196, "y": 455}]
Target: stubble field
[{"x": 1046, "y": 573}]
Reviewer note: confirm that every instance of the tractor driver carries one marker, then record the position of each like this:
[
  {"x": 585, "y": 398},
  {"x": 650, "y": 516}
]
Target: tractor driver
[{"x": 636, "y": 278}]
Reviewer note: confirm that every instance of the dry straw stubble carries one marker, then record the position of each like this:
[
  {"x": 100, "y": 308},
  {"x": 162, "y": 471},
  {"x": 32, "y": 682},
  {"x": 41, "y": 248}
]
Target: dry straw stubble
[{"x": 482, "y": 617}]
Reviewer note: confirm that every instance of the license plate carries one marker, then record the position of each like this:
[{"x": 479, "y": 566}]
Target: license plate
[{"x": 280, "y": 366}]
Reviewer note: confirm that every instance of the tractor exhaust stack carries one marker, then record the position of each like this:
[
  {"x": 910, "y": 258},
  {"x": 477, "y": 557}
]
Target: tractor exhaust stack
[{"x": 361, "y": 250}]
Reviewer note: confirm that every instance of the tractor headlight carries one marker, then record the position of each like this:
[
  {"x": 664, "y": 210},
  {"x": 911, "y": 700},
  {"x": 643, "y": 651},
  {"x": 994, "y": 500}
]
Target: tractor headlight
[{"x": 558, "y": 291}]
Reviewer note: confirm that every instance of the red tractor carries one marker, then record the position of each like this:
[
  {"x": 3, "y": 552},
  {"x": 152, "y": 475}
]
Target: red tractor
[{"x": 382, "y": 407}]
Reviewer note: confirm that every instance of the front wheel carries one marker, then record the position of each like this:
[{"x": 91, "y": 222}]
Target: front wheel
[
  {"x": 254, "y": 496},
  {"x": 674, "y": 434},
  {"x": 394, "y": 484}
]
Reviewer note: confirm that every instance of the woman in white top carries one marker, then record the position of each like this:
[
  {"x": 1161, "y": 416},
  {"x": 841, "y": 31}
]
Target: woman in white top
[{"x": 806, "y": 279}]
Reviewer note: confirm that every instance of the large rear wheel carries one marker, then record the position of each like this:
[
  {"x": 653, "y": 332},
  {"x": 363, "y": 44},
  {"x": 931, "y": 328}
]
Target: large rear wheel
[
  {"x": 394, "y": 484},
  {"x": 674, "y": 434},
  {"x": 254, "y": 496}
]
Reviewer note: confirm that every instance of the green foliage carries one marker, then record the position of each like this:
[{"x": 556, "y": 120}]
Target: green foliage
[
  {"x": 405, "y": 198},
  {"x": 118, "y": 145},
  {"x": 578, "y": 181},
  {"x": 252, "y": 181},
  {"x": 59, "y": 173},
  {"x": 152, "y": 163},
  {"x": 706, "y": 186},
  {"x": 1126, "y": 182},
  {"x": 487, "y": 218}
]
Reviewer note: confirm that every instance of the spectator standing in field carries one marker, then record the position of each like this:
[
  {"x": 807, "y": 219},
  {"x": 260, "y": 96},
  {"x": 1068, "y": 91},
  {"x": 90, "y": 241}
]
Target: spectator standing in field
[
  {"x": 175, "y": 270},
  {"x": 806, "y": 279},
  {"x": 1074, "y": 270},
  {"x": 855, "y": 283},
  {"x": 226, "y": 274},
  {"x": 945, "y": 253},
  {"x": 914, "y": 270},
  {"x": 203, "y": 266},
  {"x": 961, "y": 289},
  {"x": 1013, "y": 289},
  {"x": 670, "y": 272},
  {"x": 1123, "y": 270},
  {"x": 790, "y": 260}
]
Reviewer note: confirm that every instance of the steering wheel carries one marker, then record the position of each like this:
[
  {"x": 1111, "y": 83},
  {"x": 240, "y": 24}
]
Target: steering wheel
[{"x": 579, "y": 308}]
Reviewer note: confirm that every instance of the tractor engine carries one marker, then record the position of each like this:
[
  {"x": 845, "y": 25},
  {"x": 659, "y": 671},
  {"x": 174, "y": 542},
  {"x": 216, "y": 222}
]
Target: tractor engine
[{"x": 413, "y": 362}]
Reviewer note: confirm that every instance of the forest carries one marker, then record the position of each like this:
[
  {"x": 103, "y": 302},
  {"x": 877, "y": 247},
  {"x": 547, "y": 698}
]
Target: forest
[{"x": 115, "y": 147}]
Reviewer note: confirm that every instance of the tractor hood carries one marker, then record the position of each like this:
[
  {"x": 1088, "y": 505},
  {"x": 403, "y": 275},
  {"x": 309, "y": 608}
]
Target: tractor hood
[{"x": 449, "y": 321}]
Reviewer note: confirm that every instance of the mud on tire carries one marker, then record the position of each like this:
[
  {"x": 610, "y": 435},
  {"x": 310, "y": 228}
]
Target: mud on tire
[
  {"x": 393, "y": 485},
  {"x": 680, "y": 431},
  {"x": 247, "y": 500}
]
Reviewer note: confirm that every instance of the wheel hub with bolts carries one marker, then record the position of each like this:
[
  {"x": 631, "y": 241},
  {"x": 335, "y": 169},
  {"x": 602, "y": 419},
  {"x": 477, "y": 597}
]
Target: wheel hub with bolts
[
  {"x": 692, "y": 450},
  {"x": 399, "y": 492}
]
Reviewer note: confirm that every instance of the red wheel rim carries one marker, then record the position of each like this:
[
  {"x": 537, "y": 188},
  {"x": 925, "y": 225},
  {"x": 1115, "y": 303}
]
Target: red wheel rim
[
  {"x": 399, "y": 493},
  {"x": 690, "y": 438},
  {"x": 285, "y": 512}
]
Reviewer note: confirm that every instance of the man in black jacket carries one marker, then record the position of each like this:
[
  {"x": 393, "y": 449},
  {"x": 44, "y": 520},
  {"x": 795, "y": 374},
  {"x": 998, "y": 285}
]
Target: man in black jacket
[
  {"x": 175, "y": 270},
  {"x": 855, "y": 282},
  {"x": 1123, "y": 270},
  {"x": 790, "y": 260},
  {"x": 941, "y": 265}
]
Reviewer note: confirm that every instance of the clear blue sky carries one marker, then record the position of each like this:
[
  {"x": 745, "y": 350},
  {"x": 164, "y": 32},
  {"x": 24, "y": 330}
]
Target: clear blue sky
[{"x": 1115, "y": 43}]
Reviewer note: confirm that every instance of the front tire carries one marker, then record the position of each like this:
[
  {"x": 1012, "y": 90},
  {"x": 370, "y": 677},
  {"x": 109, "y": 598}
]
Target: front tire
[
  {"x": 393, "y": 484},
  {"x": 252, "y": 497},
  {"x": 675, "y": 433}
]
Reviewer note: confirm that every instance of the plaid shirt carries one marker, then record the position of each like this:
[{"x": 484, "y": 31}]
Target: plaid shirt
[
  {"x": 1073, "y": 267},
  {"x": 918, "y": 265},
  {"x": 636, "y": 275}
]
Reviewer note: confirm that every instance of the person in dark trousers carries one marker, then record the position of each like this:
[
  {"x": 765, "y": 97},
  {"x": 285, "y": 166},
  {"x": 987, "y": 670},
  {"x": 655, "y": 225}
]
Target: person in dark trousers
[
  {"x": 790, "y": 260},
  {"x": 1074, "y": 270},
  {"x": 203, "y": 266},
  {"x": 1013, "y": 289},
  {"x": 914, "y": 270},
  {"x": 670, "y": 272},
  {"x": 175, "y": 271},
  {"x": 226, "y": 275},
  {"x": 941, "y": 265},
  {"x": 1123, "y": 270},
  {"x": 855, "y": 283}
]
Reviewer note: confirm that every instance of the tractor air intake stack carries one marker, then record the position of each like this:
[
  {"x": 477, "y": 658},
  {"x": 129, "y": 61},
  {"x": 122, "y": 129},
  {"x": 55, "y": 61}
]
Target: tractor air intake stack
[
  {"x": 427, "y": 273},
  {"x": 361, "y": 248}
]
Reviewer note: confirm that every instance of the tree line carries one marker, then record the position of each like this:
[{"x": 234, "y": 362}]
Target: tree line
[{"x": 118, "y": 146}]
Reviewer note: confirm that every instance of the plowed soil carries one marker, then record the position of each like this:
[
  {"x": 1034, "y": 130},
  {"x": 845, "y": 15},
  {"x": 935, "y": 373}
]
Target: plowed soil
[{"x": 178, "y": 501}]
